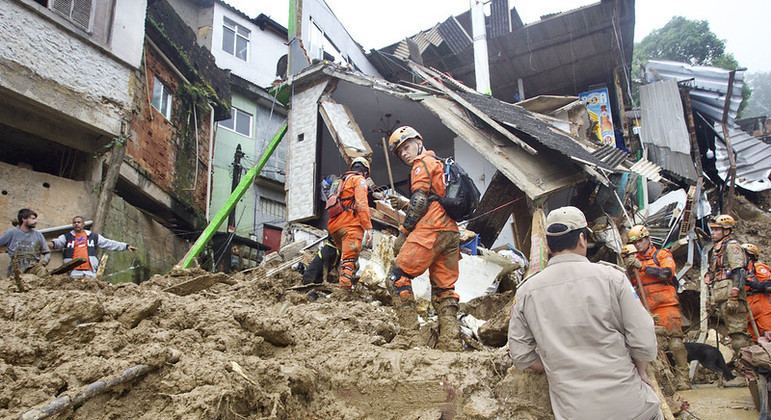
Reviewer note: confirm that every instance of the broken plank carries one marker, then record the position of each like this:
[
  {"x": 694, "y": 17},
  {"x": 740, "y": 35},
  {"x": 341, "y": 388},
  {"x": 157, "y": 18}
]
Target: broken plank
[
  {"x": 497, "y": 200},
  {"x": 68, "y": 266},
  {"x": 196, "y": 284},
  {"x": 283, "y": 266},
  {"x": 474, "y": 110}
]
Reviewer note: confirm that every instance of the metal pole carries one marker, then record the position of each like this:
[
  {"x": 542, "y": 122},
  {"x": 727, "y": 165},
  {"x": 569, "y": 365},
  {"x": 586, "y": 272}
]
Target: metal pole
[
  {"x": 237, "y": 169},
  {"x": 731, "y": 158}
]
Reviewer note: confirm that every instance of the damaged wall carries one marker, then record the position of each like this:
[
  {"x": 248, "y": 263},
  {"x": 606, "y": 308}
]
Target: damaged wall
[
  {"x": 157, "y": 146},
  {"x": 72, "y": 76}
]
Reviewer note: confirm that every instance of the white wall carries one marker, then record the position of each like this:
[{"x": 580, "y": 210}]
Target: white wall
[
  {"x": 128, "y": 31},
  {"x": 481, "y": 171},
  {"x": 322, "y": 15},
  {"x": 265, "y": 48}
]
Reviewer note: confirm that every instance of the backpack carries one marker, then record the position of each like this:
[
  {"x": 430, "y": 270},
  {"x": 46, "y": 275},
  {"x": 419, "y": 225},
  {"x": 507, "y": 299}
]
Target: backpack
[
  {"x": 461, "y": 195},
  {"x": 335, "y": 204}
]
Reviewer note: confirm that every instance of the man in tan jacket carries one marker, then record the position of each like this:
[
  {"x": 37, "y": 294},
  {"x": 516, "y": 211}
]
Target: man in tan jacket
[{"x": 583, "y": 324}]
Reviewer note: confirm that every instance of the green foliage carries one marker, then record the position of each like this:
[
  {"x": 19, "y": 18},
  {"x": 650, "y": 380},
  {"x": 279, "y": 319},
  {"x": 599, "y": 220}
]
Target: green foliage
[
  {"x": 192, "y": 97},
  {"x": 115, "y": 142},
  {"x": 685, "y": 41}
]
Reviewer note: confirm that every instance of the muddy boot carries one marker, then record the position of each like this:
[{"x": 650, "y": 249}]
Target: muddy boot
[
  {"x": 449, "y": 328},
  {"x": 408, "y": 316},
  {"x": 739, "y": 341},
  {"x": 680, "y": 367}
]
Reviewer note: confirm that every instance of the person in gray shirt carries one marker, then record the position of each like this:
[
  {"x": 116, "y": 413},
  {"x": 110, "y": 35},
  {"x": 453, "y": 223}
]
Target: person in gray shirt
[{"x": 27, "y": 245}]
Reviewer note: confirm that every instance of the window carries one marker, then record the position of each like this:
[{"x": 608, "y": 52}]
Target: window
[
  {"x": 235, "y": 39},
  {"x": 272, "y": 208},
  {"x": 162, "y": 98},
  {"x": 78, "y": 11},
  {"x": 240, "y": 122}
]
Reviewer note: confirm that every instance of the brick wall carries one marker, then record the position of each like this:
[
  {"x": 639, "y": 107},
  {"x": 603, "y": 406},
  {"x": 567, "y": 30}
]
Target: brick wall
[{"x": 156, "y": 145}]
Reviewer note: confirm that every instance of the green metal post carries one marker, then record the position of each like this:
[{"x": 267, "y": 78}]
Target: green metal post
[{"x": 239, "y": 192}]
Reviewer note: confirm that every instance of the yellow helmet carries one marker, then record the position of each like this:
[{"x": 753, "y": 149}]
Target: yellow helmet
[
  {"x": 637, "y": 232},
  {"x": 361, "y": 160},
  {"x": 752, "y": 250},
  {"x": 723, "y": 221},
  {"x": 400, "y": 135},
  {"x": 628, "y": 250}
]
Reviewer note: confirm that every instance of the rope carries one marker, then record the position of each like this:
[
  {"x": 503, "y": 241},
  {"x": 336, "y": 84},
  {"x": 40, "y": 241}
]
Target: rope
[{"x": 465, "y": 222}]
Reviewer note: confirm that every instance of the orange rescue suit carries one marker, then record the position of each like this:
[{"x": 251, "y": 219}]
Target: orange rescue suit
[
  {"x": 760, "y": 302},
  {"x": 347, "y": 228},
  {"x": 421, "y": 250},
  {"x": 660, "y": 293}
]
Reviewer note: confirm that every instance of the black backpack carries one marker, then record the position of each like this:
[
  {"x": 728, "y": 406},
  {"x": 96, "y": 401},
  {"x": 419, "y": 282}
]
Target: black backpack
[{"x": 461, "y": 195}]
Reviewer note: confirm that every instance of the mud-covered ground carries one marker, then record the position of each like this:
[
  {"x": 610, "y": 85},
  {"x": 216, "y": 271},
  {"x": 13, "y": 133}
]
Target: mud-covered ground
[{"x": 251, "y": 350}]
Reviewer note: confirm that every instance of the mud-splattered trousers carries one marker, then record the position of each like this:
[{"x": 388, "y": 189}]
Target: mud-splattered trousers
[
  {"x": 347, "y": 228},
  {"x": 432, "y": 243}
]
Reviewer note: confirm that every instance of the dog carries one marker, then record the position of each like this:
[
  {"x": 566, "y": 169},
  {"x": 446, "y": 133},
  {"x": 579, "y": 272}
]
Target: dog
[{"x": 709, "y": 357}]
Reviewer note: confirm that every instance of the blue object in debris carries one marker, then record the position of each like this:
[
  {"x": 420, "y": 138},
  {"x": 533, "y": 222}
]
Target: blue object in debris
[{"x": 471, "y": 245}]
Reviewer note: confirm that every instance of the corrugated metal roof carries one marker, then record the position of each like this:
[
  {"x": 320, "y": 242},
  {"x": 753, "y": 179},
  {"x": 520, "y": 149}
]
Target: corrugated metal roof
[
  {"x": 454, "y": 35},
  {"x": 753, "y": 158},
  {"x": 710, "y": 85},
  {"x": 562, "y": 54},
  {"x": 523, "y": 122},
  {"x": 647, "y": 169},
  {"x": 610, "y": 155},
  {"x": 663, "y": 130}
]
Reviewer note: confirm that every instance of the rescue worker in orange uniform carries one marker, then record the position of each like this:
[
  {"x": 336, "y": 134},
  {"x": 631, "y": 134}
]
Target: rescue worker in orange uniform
[
  {"x": 758, "y": 287},
  {"x": 428, "y": 239},
  {"x": 726, "y": 278},
  {"x": 353, "y": 225},
  {"x": 656, "y": 270}
]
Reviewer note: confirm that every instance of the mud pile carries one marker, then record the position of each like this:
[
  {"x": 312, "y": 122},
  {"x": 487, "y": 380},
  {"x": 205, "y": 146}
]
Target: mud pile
[{"x": 249, "y": 349}]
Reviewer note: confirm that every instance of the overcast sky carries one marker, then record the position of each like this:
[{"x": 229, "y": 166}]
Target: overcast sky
[{"x": 743, "y": 24}]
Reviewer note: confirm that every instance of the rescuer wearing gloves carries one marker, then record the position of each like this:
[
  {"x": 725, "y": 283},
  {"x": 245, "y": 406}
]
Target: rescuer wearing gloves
[
  {"x": 656, "y": 269},
  {"x": 428, "y": 239},
  {"x": 353, "y": 225},
  {"x": 758, "y": 288},
  {"x": 726, "y": 277}
]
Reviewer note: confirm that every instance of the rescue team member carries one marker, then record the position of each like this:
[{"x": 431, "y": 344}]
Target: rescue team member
[
  {"x": 583, "y": 324},
  {"x": 726, "y": 277},
  {"x": 428, "y": 239},
  {"x": 27, "y": 245},
  {"x": 354, "y": 224},
  {"x": 83, "y": 243},
  {"x": 758, "y": 288},
  {"x": 656, "y": 269}
]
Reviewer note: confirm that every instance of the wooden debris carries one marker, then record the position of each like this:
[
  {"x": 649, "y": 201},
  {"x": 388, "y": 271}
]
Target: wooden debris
[
  {"x": 196, "y": 284},
  {"x": 283, "y": 266},
  {"x": 68, "y": 266},
  {"x": 102, "y": 265},
  {"x": 17, "y": 274},
  {"x": 97, "y": 388}
]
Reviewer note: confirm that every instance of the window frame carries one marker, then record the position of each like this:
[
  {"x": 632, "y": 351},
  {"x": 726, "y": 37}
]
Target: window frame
[
  {"x": 234, "y": 112},
  {"x": 164, "y": 94},
  {"x": 69, "y": 16},
  {"x": 230, "y": 24}
]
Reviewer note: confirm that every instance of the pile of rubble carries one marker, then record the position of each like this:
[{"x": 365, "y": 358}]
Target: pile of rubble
[{"x": 246, "y": 346}]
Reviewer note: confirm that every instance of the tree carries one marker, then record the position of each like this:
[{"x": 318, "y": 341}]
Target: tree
[
  {"x": 686, "y": 41},
  {"x": 760, "y": 103}
]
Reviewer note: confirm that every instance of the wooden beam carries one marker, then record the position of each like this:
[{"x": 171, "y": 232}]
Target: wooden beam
[
  {"x": 496, "y": 200},
  {"x": 421, "y": 71}
]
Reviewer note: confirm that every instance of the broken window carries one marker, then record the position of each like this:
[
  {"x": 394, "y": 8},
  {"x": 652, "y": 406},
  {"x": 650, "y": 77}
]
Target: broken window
[
  {"x": 77, "y": 11},
  {"x": 235, "y": 39},
  {"x": 162, "y": 98},
  {"x": 240, "y": 122}
]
